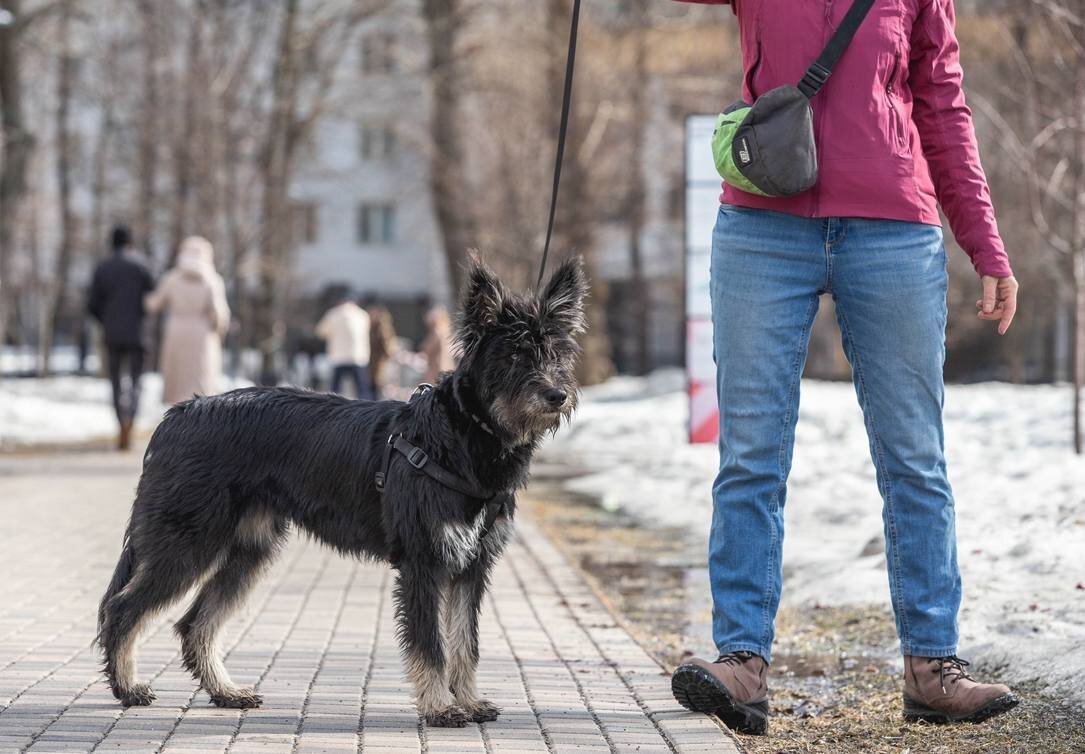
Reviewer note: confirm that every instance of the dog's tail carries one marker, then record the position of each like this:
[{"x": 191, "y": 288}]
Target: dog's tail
[{"x": 122, "y": 574}]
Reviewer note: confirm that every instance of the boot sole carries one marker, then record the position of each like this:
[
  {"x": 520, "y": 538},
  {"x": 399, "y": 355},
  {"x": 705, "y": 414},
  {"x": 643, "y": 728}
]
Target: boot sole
[
  {"x": 915, "y": 712},
  {"x": 696, "y": 690}
]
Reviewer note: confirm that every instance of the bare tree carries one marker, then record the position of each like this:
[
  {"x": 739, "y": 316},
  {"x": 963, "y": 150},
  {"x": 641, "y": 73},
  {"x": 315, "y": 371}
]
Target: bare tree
[
  {"x": 456, "y": 216},
  {"x": 149, "y": 136},
  {"x": 16, "y": 145},
  {"x": 638, "y": 309},
  {"x": 53, "y": 304},
  {"x": 577, "y": 203},
  {"x": 308, "y": 55}
]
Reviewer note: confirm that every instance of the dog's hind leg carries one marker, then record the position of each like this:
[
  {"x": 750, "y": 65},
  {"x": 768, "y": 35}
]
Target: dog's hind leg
[
  {"x": 417, "y": 598},
  {"x": 459, "y": 624},
  {"x": 257, "y": 541},
  {"x": 152, "y": 586}
]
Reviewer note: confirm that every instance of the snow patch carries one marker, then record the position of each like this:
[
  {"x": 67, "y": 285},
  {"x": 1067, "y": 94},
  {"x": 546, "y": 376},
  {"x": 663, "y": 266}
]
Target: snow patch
[{"x": 1020, "y": 500}]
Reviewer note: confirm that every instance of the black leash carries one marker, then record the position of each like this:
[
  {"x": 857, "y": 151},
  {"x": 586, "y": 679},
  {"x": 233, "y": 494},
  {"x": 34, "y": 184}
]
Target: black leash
[{"x": 563, "y": 130}]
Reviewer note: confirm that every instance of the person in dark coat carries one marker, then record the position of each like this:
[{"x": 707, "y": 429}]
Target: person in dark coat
[{"x": 116, "y": 301}]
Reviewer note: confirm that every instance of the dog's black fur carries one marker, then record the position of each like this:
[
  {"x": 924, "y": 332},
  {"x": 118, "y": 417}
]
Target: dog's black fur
[{"x": 225, "y": 477}]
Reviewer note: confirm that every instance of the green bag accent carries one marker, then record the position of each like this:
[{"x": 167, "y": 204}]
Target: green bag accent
[
  {"x": 767, "y": 148},
  {"x": 723, "y": 139}
]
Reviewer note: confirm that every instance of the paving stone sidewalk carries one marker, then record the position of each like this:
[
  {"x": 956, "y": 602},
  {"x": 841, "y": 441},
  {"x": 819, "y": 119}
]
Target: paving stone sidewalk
[{"x": 316, "y": 637}]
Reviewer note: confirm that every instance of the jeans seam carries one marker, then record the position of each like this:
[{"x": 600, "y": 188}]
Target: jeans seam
[
  {"x": 828, "y": 258},
  {"x": 905, "y": 638},
  {"x": 782, "y": 481}
]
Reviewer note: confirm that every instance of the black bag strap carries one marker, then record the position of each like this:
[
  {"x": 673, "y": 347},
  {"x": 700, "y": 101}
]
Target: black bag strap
[{"x": 818, "y": 73}]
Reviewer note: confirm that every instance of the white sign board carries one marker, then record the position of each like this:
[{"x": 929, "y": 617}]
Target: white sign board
[{"x": 702, "y": 206}]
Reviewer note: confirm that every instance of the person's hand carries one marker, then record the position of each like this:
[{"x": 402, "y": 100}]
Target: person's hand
[{"x": 999, "y": 302}]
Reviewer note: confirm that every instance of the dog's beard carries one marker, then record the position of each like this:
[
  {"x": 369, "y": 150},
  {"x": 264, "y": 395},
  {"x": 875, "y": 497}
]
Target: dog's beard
[{"x": 530, "y": 420}]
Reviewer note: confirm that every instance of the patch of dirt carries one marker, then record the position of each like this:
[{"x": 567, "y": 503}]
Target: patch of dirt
[{"x": 836, "y": 685}]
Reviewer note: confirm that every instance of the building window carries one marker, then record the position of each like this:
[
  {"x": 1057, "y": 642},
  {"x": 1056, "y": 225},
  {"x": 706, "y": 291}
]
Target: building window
[
  {"x": 376, "y": 142},
  {"x": 304, "y": 223},
  {"x": 376, "y": 224},
  {"x": 379, "y": 53}
]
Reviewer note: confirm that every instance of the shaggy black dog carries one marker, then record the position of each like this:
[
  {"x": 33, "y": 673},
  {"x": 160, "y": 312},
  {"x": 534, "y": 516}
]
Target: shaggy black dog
[{"x": 225, "y": 477}]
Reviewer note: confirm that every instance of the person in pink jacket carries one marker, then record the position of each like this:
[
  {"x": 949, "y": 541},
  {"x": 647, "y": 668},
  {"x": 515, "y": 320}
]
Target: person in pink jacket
[{"x": 895, "y": 141}]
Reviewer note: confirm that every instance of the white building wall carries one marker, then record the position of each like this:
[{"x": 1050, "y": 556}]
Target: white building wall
[{"x": 338, "y": 180}]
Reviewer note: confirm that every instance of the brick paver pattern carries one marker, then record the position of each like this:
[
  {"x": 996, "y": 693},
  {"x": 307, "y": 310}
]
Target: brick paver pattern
[{"x": 317, "y": 639}]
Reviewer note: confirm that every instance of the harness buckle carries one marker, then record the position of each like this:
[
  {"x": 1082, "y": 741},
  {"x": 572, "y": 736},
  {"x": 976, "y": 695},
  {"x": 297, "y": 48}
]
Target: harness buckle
[{"x": 417, "y": 458}]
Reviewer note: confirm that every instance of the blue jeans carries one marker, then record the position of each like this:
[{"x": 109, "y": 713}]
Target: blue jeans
[
  {"x": 889, "y": 282},
  {"x": 357, "y": 373}
]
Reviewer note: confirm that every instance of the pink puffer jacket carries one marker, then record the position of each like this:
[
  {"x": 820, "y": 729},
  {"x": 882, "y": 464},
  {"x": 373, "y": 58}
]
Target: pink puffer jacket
[{"x": 895, "y": 138}]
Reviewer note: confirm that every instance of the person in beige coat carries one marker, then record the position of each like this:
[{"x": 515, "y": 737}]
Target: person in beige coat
[
  {"x": 437, "y": 345},
  {"x": 193, "y": 296}
]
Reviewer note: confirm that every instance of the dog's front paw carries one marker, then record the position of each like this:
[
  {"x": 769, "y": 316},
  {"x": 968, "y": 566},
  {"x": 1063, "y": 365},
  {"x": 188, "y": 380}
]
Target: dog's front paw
[
  {"x": 451, "y": 717},
  {"x": 483, "y": 711},
  {"x": 139, "y": 695},
  {"x": 237, "y": 699}
]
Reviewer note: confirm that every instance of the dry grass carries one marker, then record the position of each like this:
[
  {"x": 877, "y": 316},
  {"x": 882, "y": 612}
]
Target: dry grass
[{"x": 835, "y": 687}]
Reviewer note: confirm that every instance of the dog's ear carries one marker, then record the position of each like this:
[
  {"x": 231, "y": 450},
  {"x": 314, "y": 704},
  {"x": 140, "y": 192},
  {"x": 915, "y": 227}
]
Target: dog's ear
[
  {"x": 483, "y": 298},
  {"x": 562, "y": 301}
]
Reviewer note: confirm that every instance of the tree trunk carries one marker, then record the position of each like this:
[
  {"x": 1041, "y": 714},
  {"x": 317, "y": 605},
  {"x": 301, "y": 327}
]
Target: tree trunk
[
  {"x": 64, "y": 159},
  {"x": 574, "y": 231},
  {"x": 1079, "y": 347},
  {"x": 448, "y": 171},
  {"x": 639, "y": 307},
  {"x": 274, "y": 238},
  {"x": 182, "y": 147},
  {"x": 15, "y": 149},
  {"x": 148, "y": 127},
  {"x": 1077, "y": 239}
]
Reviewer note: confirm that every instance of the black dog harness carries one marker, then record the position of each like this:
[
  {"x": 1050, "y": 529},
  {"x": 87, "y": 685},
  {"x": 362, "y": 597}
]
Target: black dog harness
[{"x": 421, "y": 461}]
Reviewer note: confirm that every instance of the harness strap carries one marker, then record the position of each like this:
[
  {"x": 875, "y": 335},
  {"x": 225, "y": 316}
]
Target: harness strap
[{"x": 418, "y": 458}]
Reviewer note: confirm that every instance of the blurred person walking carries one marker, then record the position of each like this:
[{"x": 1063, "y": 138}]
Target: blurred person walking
[
  {"x": 193, "y": 296},
  {"x": 345, "y": 328},
  {"x": 115, "y": 300},
  {"x": 382, "y": 347},
  {"x": 894, "y": 141},
  {"x": 437, "y": 345}
]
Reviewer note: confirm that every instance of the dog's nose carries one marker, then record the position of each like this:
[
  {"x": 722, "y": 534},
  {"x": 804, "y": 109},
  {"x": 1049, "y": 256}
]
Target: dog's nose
[{"x": 554, "y": 396}]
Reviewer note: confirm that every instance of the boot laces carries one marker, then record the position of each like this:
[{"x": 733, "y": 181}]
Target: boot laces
[
  {"x": 736, "y": 658},
  {"x": 953, "y": 668}
]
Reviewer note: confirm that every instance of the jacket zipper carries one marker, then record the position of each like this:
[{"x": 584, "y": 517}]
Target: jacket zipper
[{"x": 898, "y": 116}]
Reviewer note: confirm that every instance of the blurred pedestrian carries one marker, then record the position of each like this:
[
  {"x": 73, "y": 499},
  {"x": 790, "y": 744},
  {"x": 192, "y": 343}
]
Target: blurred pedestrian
[
  {"x": 345, "y": 328},
  {"x": 115, "y": 300},
  {"x": 382, "y": 346},
  {"x": 437, "y": 345},
  {"x": 193, "y": 296}
]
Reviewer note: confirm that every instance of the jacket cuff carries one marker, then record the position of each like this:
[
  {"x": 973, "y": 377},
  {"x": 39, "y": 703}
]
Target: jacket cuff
[{"x": 994, "y": 264}]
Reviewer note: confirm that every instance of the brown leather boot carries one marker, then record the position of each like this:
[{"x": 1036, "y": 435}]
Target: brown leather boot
[
  {"x": 124, "y": 439},
  {"x": 938, "y": 690},
  {"x": 733, "y": 688}
]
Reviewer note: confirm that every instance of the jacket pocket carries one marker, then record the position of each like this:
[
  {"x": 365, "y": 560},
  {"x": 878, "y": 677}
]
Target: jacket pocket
[{"x": 898, "y": 128}]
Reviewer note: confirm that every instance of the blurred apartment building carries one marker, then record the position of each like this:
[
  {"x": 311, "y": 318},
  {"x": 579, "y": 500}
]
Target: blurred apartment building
[{"x": 363, "y": 218}]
